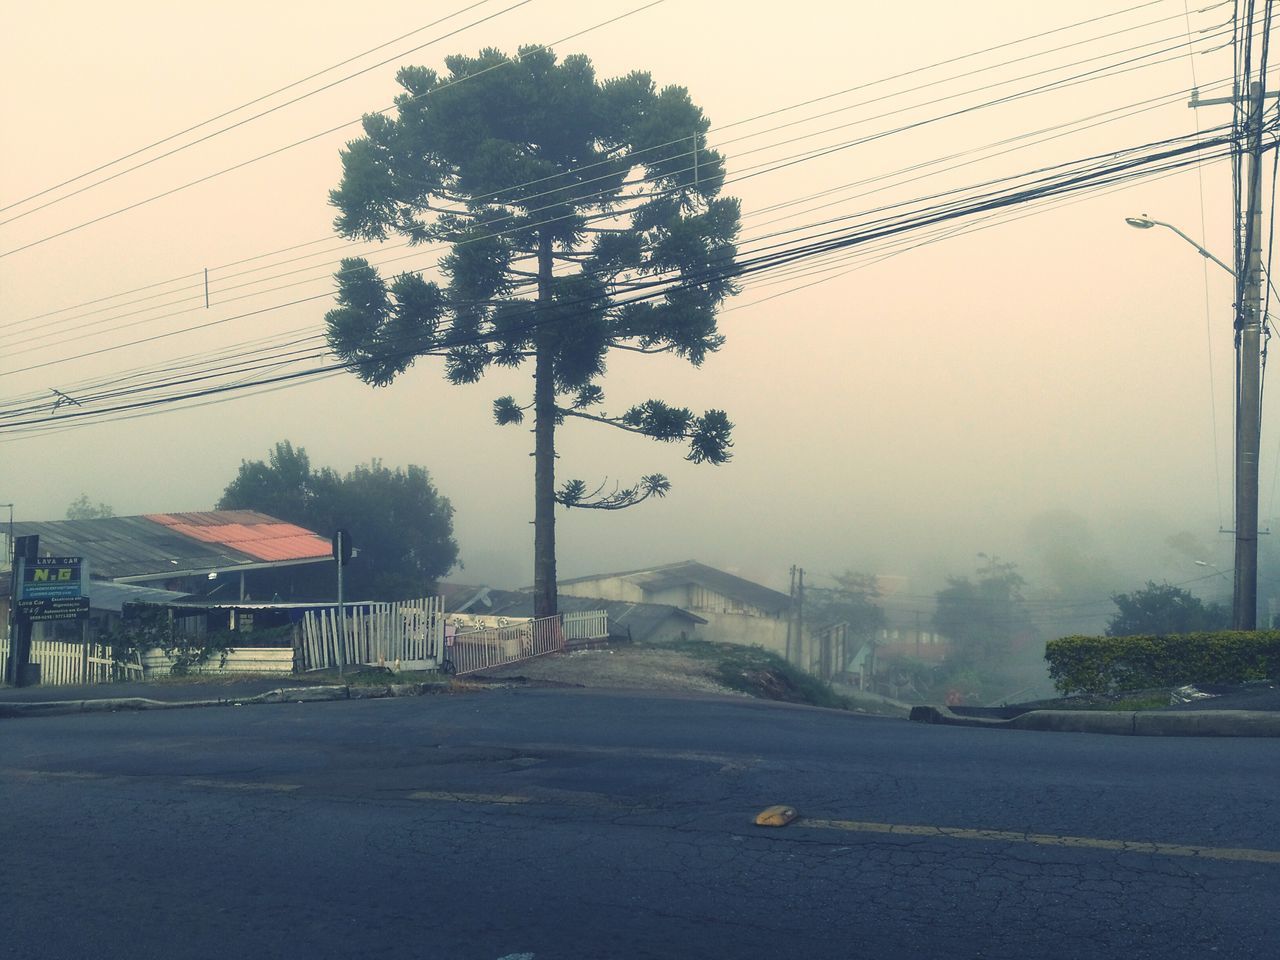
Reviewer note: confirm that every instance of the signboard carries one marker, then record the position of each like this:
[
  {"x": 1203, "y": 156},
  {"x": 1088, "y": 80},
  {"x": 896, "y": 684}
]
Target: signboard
[
  {"x": 54, "y": 608},
  {"x": 342, "y": 547},
  {"x": 49, "y": 588},
  {"x": 49, "y": 578}
]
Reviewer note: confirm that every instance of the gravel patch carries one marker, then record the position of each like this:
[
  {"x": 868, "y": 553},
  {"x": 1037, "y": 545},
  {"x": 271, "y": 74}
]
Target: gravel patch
[{"x": 622, "y": 668}]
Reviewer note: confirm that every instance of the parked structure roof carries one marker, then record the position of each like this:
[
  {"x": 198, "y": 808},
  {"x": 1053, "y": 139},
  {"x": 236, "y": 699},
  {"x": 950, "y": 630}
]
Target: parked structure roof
[{"x": 167, "y": 545}]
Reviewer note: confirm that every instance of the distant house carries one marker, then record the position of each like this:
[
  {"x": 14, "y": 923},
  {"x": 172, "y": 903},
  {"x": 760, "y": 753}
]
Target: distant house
[
  {"x": 223, "y": 552},
  {"x": 641, "y": 622},
  {"x": 736, "y": 610}
]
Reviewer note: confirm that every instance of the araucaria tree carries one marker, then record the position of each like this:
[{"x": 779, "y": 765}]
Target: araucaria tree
[{"x": 582, "y": 216}]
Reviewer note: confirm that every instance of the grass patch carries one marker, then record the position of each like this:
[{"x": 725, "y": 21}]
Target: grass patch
[
  {"x": 759, "y": 673},
  {"x": 375, "y": 677},
  {"x": 221, "y": 679}
]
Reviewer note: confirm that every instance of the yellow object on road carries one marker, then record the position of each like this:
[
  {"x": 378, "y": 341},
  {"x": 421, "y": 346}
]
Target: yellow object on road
[{"x": 776, "y": 816}]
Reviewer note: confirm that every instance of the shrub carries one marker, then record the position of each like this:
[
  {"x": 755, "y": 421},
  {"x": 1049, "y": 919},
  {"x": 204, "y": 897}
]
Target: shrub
[
  {"x": 1117, "y": 664},
  {"x": 149, "y": 627}
]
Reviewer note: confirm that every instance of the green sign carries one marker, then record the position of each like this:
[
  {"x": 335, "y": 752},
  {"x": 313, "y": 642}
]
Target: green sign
[{"x": 49, "y": 578}]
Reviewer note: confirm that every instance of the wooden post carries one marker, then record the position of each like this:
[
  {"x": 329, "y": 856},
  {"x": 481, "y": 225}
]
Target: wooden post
[{"x": 84, "y": 651}]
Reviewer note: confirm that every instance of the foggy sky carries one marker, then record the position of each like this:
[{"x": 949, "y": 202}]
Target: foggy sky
[{"x": 898, "y": 419}]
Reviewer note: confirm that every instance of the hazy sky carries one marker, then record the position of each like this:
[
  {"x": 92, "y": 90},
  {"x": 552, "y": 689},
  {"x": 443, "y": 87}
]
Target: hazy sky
[{"x": 899, "y": 417}]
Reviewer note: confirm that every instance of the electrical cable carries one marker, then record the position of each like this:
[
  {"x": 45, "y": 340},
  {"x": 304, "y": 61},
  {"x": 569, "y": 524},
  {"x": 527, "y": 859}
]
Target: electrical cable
[{"x": 305, "y": 140}]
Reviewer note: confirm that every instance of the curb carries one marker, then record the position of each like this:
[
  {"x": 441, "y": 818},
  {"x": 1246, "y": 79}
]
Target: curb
[
  {"x": 1184, "y": 723},
  {"x": 313, "y": 694}
]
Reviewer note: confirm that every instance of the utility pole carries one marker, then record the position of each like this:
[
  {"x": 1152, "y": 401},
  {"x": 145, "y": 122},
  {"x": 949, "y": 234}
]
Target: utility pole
[
  {"x": 805, "y": 665},
  {"x": 791, "y": 617},
  {"x": 1248, "y": 337}
]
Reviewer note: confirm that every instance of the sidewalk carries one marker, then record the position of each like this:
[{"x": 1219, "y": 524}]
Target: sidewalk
[{"x": 167, "y": 691}]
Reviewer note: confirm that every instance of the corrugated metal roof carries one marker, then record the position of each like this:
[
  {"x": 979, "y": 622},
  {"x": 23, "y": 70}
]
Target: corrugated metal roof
[
  {"x": 256, "y": 534},
  {"x": 104, "y": 595},
  {"x": 119, "y": 547}
]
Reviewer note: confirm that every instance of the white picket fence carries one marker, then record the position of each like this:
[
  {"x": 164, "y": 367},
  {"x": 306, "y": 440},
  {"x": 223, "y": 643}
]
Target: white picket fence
[
  {"x": 586, "y": 626},
  {"x": 62, "y": 662},
  {"x": 399, "y": 635}
]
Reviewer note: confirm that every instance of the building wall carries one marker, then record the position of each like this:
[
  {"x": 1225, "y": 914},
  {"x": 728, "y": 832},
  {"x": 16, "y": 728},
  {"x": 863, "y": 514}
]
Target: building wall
[
  {"x": 608, "y": 588},
  {"x": 741, "y": 628}
]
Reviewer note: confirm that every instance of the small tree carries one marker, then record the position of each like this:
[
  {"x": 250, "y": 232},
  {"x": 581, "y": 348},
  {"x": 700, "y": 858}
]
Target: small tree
[
  {"x": 582, "y": 216},
  {"x": 82, "y": 508},
  {"x": 1160, "y": 609}
]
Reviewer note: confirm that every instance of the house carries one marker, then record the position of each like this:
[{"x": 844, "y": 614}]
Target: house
[
  {"x": 736, "y": 610},
  {"x": 628, "y": 620},
  {"x": 228, "y": 553}
]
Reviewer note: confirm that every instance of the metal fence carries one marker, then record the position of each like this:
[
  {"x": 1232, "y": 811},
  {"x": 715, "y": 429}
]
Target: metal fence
[
  {"x": 491, "y": 647},
  {"x": 63, "y": 662},
  {"x": 396, "y": 635}
]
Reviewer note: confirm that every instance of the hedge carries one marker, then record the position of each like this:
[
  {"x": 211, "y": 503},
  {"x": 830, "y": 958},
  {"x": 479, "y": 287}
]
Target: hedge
[{"x": 1118, "y": 664}]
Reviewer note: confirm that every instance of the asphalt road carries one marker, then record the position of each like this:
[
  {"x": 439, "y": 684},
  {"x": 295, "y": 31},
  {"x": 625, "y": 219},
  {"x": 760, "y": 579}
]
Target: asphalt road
[{"x": 579, "y": 824}]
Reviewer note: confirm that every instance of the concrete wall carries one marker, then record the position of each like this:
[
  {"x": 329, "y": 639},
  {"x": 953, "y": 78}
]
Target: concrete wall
[
  {"x": 272, "y": 660},
  {"x": 607, "y": 588},
  {"x": 751, "y": 631}
]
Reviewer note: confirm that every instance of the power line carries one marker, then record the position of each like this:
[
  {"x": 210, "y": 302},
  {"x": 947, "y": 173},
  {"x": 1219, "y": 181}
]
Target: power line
[
  {"x": 309, "y": 139},
  {"x": 243, "y": 106},
  {"x": 773, "y": 112},
  {"x": 750, "y": 171},
  {"x": 1068, "y": 181}
]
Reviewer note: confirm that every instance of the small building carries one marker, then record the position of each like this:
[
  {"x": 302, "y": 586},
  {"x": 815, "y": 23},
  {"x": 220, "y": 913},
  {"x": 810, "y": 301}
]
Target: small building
[
  {"x": 628, "y": 621},
  {"x": 228, "y": 554},
  {"x": 736, "y": 610}
]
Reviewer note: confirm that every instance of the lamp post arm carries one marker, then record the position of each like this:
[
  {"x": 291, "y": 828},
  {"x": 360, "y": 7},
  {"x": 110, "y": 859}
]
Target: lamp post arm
[{"x": 1203, "y": 252}]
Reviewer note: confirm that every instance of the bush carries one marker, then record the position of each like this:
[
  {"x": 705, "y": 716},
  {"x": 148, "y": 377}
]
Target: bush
[
  {"x": 1118, "y": 664},
  {"x": 148, "y": 627}
]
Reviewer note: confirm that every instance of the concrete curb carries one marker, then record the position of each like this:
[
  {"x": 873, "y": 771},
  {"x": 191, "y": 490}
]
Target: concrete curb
[
  {"x": 311, "y": 694},
  {"x": 1183, "y": 723}
]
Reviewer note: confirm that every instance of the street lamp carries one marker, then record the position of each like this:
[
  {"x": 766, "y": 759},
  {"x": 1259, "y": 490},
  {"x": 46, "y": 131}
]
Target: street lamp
[
  {"x": 1248, "y": 326},
  {"x": 1146, "y": 223}
]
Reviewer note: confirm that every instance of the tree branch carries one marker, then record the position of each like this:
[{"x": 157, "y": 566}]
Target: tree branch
[
  {"x": 622, "y": 346},
  {"x": 608, "y": 421}
]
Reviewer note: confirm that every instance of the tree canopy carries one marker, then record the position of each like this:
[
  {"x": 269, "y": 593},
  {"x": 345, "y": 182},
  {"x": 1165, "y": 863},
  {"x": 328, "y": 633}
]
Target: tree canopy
[
  {"x": 581, "y": 216},
  {"x": 983, "y": 615},
  {"x": 1159, "y": 609},
  {"x": 852, "y": 601},
  {"x": 400, "y": 524},
  {"x": 82, "y": 508}
]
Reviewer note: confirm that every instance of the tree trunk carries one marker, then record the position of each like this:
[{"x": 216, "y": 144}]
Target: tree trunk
[{"x": 544, "y": 447}]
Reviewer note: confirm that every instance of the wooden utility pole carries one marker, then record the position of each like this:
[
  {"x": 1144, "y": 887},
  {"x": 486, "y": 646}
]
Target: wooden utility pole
[
  {"x": 544, "y": 442},
  {"x": 791, "y": 618},
  {"x": 1248, "y": 339}
]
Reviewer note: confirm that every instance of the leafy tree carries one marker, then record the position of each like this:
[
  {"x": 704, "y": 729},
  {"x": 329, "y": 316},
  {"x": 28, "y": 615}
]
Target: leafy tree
[
  {"x": 982, "y": 616},
  {"x": 852, "y": 601},
  {"x": 283, "y": 486},
  {"x": 81, "y": 508},
  {"x": 1160, "y": 609},
  {"x": 583, "y": 216},
  {"x": 401, "y": 525}
]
